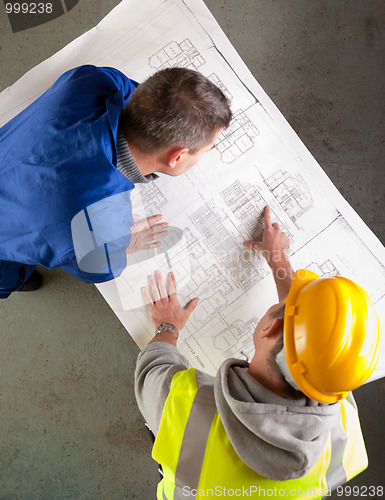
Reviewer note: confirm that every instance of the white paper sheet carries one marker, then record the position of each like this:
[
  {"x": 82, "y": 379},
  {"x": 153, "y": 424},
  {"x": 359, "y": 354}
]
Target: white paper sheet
[{"x": 259, "y": 161}]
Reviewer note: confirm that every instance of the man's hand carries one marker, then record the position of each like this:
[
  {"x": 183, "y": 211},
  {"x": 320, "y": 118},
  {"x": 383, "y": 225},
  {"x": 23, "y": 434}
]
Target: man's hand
[
  {"x": 146, "y": 233},
  {"x": 275, "y": 243},
  {"x": 163, "y": 302},
  {"x": 274, "y": 246}
]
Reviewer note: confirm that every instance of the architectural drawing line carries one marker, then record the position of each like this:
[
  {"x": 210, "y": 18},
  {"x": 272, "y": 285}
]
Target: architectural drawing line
[
  {"x": 219, "y": 51},
  {"x": 317, "y": 234}
]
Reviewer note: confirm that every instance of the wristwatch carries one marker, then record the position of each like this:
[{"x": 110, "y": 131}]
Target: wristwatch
[{"x": 167, "y": 326}]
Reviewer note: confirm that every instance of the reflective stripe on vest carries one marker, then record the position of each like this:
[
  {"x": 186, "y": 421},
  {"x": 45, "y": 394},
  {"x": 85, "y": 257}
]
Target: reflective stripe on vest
[{"x": 198, "y": 459}]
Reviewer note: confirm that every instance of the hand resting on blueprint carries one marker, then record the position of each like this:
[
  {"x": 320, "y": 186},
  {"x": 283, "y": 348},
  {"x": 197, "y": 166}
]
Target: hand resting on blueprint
[
  {"x": 164, "y": 305},
  {"x": 145, "y": 234}
]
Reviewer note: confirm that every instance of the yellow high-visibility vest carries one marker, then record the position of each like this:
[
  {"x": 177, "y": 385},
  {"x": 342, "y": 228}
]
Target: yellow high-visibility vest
[{"x": 199, "y": 461}]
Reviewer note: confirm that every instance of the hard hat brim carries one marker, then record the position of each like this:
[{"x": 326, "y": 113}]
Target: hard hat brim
[{"x": 302, "y": 278}]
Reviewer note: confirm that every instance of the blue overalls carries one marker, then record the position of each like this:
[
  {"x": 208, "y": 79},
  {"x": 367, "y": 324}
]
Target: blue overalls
[{"x": 58, "y": 157}]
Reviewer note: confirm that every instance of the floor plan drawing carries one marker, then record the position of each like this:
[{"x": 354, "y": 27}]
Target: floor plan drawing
[
  {"x": 177, "y": 54},
  {"x": 149, "y": 200},
  {"x": 237, "y": 139},
  {"x": 237, "y": 339},
  {"x": 325, "y": 269},
  {"x": 247, "y": 201},
  {"x": 292, "y": 193},
  {"x": 214, "y": 78},
  {"x": 224, "y": 246}
]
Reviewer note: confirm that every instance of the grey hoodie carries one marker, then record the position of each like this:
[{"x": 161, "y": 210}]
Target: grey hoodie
[{"x": 278, "y": 438}]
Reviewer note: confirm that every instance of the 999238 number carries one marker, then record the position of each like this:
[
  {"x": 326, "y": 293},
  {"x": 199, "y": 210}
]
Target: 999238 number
[
  {"x": 360, "y": 491},
  {"x": 28, "y": 8}
]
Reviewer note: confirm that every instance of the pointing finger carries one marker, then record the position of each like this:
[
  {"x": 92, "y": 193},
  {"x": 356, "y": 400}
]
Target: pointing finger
[{"x": 267, "y": 216}]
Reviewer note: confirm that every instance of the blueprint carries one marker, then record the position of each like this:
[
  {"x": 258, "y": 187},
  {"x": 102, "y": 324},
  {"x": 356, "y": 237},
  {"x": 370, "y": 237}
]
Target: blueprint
[{"x": 217, "y": 205}]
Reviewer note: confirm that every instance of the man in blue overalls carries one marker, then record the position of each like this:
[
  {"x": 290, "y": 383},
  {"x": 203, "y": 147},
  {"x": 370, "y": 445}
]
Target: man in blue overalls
[{"x": 71, "y": 158}]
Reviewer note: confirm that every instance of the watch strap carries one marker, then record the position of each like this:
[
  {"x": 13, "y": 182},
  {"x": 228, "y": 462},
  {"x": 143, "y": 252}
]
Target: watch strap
[{"x": 163, "y": 327}]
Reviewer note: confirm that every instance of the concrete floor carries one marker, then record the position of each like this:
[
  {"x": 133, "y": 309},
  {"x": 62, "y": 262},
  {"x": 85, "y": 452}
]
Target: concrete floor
[{"x": 69, "y": 423}]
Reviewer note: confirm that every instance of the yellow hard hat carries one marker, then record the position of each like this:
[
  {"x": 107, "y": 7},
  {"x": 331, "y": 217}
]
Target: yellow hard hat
[{"x": 332, "y": 336}]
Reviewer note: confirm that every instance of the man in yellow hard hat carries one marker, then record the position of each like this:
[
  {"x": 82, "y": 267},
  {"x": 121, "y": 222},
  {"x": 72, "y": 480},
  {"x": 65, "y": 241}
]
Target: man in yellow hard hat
[{"x": 283, "y": 425}]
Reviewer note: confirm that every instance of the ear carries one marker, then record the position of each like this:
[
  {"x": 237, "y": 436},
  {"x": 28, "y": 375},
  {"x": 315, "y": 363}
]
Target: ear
[
  {"x": 174, "y": 156},
  {"x": 272, "y": 329}
]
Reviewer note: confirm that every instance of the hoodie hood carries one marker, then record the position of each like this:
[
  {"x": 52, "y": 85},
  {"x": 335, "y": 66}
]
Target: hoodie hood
[{"x": 278, "y": 438}]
